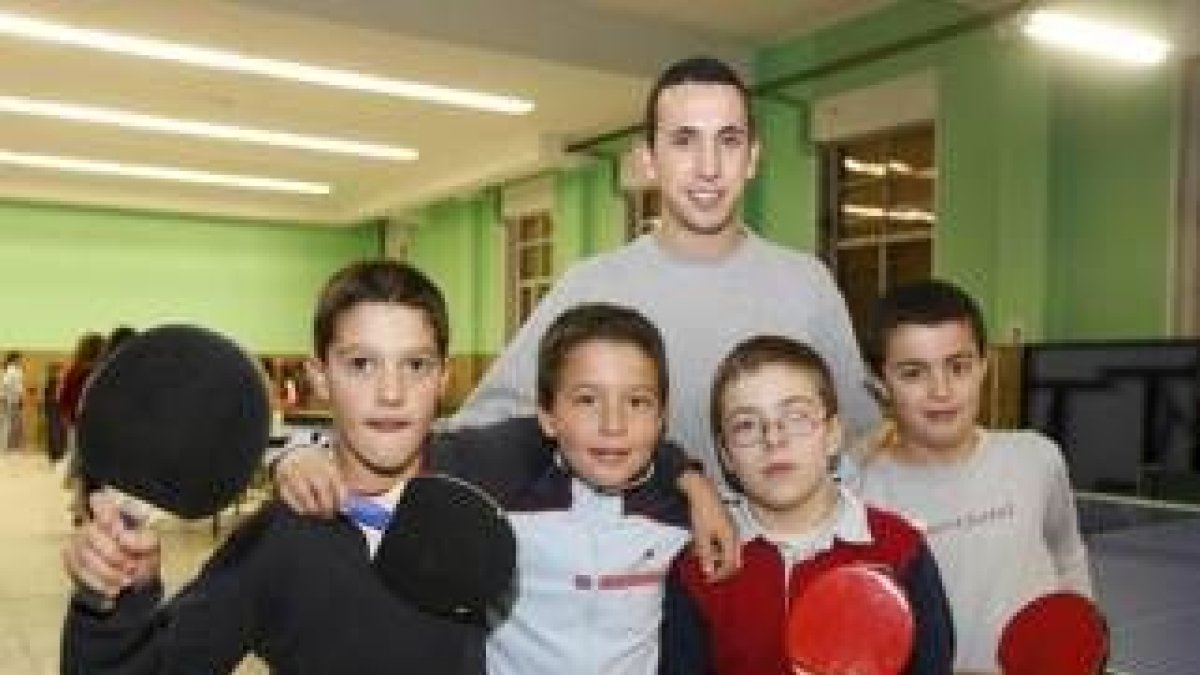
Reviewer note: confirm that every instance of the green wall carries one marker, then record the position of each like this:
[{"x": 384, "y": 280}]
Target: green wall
[
  {"x": 1055, "y": 201},
  {"x": 460, "y": 243},
  {"x": 1054, "y": 193},
  {"x": 67, "y": 270},
  {"x": 589, "y": 215},
  {"x": 1113, "y": 165},
  {"x": 1045, "y": 168}
]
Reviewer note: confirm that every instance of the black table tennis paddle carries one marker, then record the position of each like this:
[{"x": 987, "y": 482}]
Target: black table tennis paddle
[
  {"x": 176, "y": 419},
  {"x": 448, "y": 548}
]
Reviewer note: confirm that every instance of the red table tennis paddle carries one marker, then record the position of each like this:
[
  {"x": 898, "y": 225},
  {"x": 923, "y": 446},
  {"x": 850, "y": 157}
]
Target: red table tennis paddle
[
  {"x": 1056, "y": 634},
  {"x": 851, "y": 620}
]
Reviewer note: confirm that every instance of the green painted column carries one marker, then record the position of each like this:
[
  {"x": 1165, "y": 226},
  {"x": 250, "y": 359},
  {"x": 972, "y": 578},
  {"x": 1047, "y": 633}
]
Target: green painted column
[{"x": 781, "y": 203}]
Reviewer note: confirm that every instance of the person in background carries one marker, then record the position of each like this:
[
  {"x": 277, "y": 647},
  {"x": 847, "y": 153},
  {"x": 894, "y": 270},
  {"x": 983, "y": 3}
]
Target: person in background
[
  {"x": 56, "y": 441},
  {"x": 12, "y": 395},
  {"x": 115, "y": 339},
  {"x": 88, "y": 351}
]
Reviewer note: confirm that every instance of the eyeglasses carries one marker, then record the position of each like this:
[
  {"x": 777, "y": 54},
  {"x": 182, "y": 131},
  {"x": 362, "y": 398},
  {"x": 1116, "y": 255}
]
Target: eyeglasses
[{"x": 750, "y": 429}]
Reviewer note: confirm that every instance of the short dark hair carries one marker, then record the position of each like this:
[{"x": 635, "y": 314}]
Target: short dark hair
[
  {"x": 694, "y": 70},
  {"x": 383, "y": 281},
  {"x": 924, "y": 303},
  {"x": 596, "y": 322}
]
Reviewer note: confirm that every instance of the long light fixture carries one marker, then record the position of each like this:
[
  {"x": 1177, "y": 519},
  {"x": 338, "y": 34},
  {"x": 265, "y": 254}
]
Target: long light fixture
[
  {"x": 1096, "y": 38},
  {"x": 163, "y": 173},
  {"x": 142, "y": 122},
  {"x": 217, "y": 59}
]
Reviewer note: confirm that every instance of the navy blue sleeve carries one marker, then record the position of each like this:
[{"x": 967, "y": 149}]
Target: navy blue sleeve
[
  {"x": 684, "y": 643},
  {"x": 933, "y": 642},
  {"x": 120, "y": 642},
  {"x": 506, "y": 457},
  {"x": 502, "y": 458},
  {"x": 206, "y": 628}
]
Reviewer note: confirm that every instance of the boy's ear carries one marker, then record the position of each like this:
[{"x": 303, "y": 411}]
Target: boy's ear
[
  {"x": 314, "y": 368},
  {"x": 547, "y": 422},
  {"x": 443, "y": 381},
  {"x": 878, "y": 389}
]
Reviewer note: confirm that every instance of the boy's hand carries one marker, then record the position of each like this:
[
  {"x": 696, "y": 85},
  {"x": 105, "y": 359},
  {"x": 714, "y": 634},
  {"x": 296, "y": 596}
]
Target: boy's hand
[
  {"x": 309, "y": 482},
  {"x": 108, "y": 556},
  {"x": 714, "y": 534}
]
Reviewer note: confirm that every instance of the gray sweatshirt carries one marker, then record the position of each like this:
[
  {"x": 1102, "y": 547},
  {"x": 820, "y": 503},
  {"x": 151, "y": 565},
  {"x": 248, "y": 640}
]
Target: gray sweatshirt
[
  {"x": 1002, "y": 526},
  {"x": 703, "y": 308}
]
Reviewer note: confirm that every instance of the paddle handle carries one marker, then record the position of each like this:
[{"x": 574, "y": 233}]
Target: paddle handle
[{"x": 134, "y": 514}]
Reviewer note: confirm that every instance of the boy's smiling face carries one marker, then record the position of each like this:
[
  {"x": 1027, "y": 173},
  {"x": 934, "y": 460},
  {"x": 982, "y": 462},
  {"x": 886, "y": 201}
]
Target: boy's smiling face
[
  {"x": 777, "y": 438},
  {"x": 934, "y": 378},
  {"x": 606, "y": 413},
  {"x": 383, "y": 377}
]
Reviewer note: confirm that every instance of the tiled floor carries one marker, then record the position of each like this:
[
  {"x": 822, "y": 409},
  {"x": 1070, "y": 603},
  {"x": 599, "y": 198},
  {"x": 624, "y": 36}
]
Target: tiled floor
[{"x": 34, "y": 523}]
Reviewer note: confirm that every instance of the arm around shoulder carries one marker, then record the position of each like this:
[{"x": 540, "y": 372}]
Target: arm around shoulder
[
  {"x": 684, "y": 642},
  {"x": 933, "y": 639}
]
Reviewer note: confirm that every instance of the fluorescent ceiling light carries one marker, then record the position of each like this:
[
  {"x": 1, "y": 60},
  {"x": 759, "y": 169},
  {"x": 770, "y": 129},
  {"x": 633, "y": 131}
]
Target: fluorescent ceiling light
[
  {"x": 95, "y": 166},
  {"x": 216, "y": 59},
  {"x": 1096, "y": 38},
  {"x": 132, "y": 120}
]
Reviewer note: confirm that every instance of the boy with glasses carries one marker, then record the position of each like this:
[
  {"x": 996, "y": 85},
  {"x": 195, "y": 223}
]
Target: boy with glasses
[
  {"x": 777, "y": 429},
  {"x": 996, "y": 506}
]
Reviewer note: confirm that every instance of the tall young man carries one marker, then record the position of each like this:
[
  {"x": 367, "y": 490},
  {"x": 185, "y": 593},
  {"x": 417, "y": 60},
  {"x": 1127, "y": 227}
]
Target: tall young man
[{"x": 704, "y": 278}]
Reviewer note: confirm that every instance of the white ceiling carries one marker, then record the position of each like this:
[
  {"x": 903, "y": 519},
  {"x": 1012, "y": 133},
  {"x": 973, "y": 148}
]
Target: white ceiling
[{"x": 585, "y": 63}]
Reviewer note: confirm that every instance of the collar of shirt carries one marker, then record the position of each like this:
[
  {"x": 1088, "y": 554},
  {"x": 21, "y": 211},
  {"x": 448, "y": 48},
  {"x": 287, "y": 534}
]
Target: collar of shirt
[
  {"x": 372, "y": 513},
  {"x": 848, "y": 523}
]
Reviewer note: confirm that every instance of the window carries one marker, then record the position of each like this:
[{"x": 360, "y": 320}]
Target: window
[
  {"x": 643, "y": 211},
  {"x": 878, "y": 213},
  {"x": 530, "y": 264}
]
